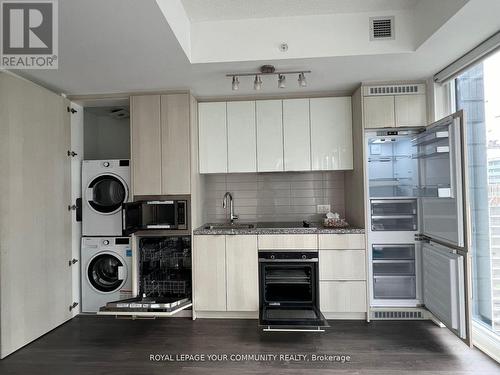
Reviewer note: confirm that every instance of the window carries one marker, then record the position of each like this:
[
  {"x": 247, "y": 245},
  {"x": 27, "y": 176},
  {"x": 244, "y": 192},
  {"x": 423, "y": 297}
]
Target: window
[{"x": 477, "y": 92}]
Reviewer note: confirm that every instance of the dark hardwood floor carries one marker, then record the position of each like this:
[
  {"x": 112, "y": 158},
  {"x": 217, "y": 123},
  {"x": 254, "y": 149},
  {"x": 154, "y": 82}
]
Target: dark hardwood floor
[{"x": 103, "y": 345}]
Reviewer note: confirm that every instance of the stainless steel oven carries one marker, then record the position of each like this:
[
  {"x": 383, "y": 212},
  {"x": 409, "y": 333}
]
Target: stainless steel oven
[{"x": 289, "y": 291}]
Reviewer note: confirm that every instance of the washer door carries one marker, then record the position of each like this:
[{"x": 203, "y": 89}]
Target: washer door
[
  {"x": 106, "y": 272},
  {"x": 106, "y": 193}
]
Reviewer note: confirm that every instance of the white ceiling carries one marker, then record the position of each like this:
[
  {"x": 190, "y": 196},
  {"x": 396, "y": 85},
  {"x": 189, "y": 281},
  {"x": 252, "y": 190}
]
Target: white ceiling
[
  {"x": 214, "y": 10},
  {"x": 121, "y": 46}
]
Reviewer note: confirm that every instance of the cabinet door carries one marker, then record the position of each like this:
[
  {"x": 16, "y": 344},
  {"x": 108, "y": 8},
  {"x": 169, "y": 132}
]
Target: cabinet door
[
  {"x": 175, "y": 153},
  {"x": 379, "y": 111},
  {"x": 269, "y": 118},
  {"x": 146, "y": 145},
  {"x": 296, "y": 135},
  {"x": 342, "y": 265},
  {"x": 241, "y": 142},
  {"x": 342, "y": 296},
  {"x": 411, "y": 110},
  {"x": 212, "y": 137},
  {"x": 209, "y": 271},
  {"x": 331, "y": 133},
  {"x": 242, "y": 273}
]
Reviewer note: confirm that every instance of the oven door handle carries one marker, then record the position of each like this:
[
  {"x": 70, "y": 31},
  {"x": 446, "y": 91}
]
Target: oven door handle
[{"x": 312, "y": 260}]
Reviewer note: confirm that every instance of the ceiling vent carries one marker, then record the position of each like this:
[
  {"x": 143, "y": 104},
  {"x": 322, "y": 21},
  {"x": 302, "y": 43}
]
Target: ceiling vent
[{"x": 381, "y": 28}]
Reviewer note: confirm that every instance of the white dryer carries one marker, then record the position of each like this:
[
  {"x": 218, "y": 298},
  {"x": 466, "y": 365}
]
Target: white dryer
[
  {"x": 106, "y": 266},
  {"x": 105, "y": 187}
]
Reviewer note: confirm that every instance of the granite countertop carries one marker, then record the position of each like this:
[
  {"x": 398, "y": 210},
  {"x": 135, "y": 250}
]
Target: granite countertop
[{"x": 275, "y": 228}]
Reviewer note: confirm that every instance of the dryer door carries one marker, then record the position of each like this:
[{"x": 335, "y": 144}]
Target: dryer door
[
  {"x": 106, "y": 193},
  {"x": 106, "y": 272}
]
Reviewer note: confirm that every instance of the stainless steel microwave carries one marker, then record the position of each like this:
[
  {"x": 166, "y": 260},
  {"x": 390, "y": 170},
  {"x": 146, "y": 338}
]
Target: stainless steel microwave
[{"x": 155, "y": 215}]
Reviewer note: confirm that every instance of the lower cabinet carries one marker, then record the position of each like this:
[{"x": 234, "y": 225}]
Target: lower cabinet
[
  {"x": 226, "y": 273},
  {"x": 342, "y": 296}
]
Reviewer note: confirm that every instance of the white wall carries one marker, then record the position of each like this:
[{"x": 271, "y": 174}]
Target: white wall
[{"x": 105, "y": 137}]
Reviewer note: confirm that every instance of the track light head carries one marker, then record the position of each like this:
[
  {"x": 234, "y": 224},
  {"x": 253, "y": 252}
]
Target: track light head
[
  {"x": 236, "y": 83},
  {"x": 281, "y": 81},
  {"x": 302, "y": 80},
  {"x": 257, "y": 84}
]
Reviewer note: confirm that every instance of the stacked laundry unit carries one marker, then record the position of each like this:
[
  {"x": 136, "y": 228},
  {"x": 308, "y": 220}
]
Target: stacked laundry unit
[{"x": 106, "y": 255}]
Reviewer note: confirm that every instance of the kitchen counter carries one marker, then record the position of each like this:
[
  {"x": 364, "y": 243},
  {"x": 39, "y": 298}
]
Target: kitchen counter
[{"x": 276, "y": 228}]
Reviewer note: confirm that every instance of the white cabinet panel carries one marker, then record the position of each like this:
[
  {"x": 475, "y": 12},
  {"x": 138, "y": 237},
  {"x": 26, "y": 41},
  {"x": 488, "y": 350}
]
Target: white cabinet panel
[
  {"x": 331, "y": 133},
  {"x": 379, "y": 111},
  {"x": 209, "y": 268},
  {"x": 342, "y": 265},
  {"x": 297, "y": 135},
  {"x": 212, "y": 137},
  {"x": 269, "y": 117},
  {"x": 242, "y": 273},
  {"x": 241, "y": 137},
  {"x": 410, "y": 110},
  {"x": 342, "y": 296},
  {"x": 342, "y": 241}
]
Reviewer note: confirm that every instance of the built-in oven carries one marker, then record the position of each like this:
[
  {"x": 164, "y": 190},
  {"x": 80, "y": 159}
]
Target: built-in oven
[
  {"x": 160, "y": 214},
  {"x": 289, "y": 291}
]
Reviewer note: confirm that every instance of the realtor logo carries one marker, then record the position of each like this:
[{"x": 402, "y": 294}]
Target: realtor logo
[{"x": 28, "y": 34}]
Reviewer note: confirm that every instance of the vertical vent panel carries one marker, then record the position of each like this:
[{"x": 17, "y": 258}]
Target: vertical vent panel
[{"x": 381, "y": 28}]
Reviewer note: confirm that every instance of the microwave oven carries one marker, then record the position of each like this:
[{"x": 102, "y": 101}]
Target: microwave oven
[{"x": 169, "y": 215}]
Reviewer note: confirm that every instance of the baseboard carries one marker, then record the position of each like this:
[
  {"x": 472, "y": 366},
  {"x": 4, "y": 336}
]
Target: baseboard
[
  {"x": 344, "y": 315},
  {"x": 227, "y": 314}
]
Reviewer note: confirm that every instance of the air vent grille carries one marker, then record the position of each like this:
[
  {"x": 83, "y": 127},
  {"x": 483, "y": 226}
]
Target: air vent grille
[
  {"x": 407, "y": 89},
  {"x": 397, "y": 315},
  {"x": 381, "y": 28}
]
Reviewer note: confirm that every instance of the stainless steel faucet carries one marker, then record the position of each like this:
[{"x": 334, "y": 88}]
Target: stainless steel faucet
[{"x": 232, "y": 216}]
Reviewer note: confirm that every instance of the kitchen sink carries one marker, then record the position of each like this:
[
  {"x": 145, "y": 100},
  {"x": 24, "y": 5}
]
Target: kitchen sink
[{"x": 229, "y": 226}]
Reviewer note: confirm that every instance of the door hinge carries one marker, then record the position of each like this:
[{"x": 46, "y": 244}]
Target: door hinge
[
  {"x": 72, "y": 153},
  {"x": 73, "y": 305},
  {"x": 72, "y": 261},
  {"x": 71, "y": 110},
  {"x": 72, "y": 207}
]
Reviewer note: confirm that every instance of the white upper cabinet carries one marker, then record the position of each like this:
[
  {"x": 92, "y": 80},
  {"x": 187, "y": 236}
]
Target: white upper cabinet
[
  {"x": 410, "y": 110},
  {"x": 269, "y": 118},
  {"x": 331, "y": 133},
  {"x": 212, "y": 137},
  {"x": 379, "y": 112},
  {"x": 296, "y": 135},
  {"x": 241, "y": 137}
]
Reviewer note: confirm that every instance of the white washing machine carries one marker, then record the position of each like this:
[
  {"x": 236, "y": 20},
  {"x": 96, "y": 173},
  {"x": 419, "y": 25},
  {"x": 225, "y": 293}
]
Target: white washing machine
[
  {"x": 105, "y": 187},
  {"x": 106, "y": 266}
]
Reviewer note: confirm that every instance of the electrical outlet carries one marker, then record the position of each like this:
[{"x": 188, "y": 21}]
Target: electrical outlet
[{"x": 322, "y": 208}]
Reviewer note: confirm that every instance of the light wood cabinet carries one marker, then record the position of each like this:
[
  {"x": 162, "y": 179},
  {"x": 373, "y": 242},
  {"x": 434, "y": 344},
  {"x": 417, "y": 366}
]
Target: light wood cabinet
[
  {"x": 241, "y": 137},
  {"x": 212, "y": 137},
  {"x": 269, "y": 121},
  {"x": 146, "y": 144},
  {"x": 342, "y": 265},
  {"x": 379, "y": 112},
  {"x": 242, "y": 273},
  {"x": 285, "y": 242},
  {"x": 343, "y": 296},
  {"x": 176, "y": 150},
  {"x": 161, "y": 151},
  {"x": 389, "y": 111},
  {"x": 225, "y": 270},
  {"x": 209, "y": 273},
  {"x": 331, "y": 133},
  {"x": 296, "y": 135},
  {"x": 341, "y": 241},
  {"x": 410, "y": 110}
]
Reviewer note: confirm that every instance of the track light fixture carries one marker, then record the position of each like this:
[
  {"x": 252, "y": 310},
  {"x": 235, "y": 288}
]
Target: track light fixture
[
  {"x": 257, "y": 84},
  {"x": 236, "y": 83},
  {"x": 268, "y": 70}
]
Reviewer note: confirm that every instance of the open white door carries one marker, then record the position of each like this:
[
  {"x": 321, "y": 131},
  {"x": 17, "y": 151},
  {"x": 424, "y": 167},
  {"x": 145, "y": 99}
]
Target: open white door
[{"x": 445, "y": 223}]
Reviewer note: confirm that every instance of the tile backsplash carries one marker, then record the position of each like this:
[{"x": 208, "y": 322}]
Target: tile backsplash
[{"x": 289, "y": 196}]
